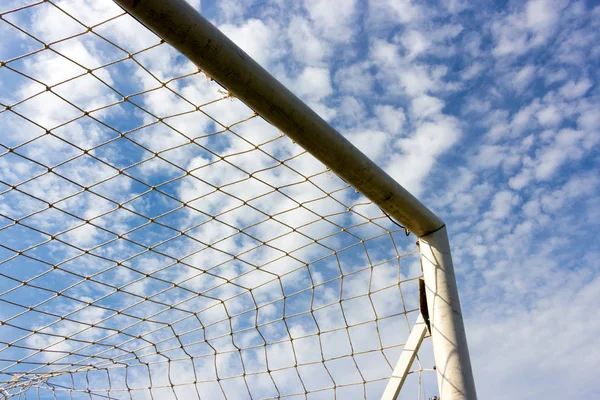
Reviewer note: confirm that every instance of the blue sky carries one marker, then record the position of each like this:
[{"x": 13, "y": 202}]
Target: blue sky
[{"x": 486, "y": 111}]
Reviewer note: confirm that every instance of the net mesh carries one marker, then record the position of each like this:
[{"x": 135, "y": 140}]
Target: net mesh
[{"x": 158, "y": 239}]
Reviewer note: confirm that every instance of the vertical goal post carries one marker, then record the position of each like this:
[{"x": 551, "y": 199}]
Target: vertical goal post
[{"x": 180, "y": 25}]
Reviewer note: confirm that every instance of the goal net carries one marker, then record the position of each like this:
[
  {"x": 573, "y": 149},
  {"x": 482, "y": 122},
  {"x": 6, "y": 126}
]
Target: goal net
[{"x": 159, "y": 239}]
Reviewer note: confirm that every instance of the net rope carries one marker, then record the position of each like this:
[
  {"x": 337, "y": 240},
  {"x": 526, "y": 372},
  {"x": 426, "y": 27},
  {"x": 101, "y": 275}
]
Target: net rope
[{"x": 158, "y": 239}]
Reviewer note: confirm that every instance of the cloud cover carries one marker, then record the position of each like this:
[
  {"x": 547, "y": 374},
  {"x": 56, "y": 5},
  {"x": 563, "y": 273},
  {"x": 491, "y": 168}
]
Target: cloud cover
[{"x": 488, "y": 113}]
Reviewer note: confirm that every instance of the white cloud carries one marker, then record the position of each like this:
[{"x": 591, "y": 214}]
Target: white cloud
[
  {"x": 415, "y": 43},
  {"x": 573, "y": 90},
  {"x": 371, "y": 143},
  {"x": 472, "y": 71},
  {"x": 313, "y": 83},
  {"x": 354, "y": 79},
  {"x": 334, "y": 21},
  {"x": 589, "y": 118},
  {"x": 520, "y": 180},
  {"x": 555, "y": 76},
  {"x": 387, "y": 11},
  {"x": 503, "y": 203},
  {"x": 569, "y": 144},
  {"x": 391, "y": 118},
  {"x": 490, "y": 156},
  {"x": 352, "y": 112},
  {"x": 576, "y": 187},
  {"x": 419, "y": 151},
  {"x": 521, "y": 79},
  {"x": 230, "y": 10},
  {"x": 256, "y": 38},
  {"x": 455, "y": 6},
  {"x": 417, "y": 80},
  {"x": 425, "y": 106},
  {"x": 541, "y": 14},
  {"x": 550, "y": 116},
  {"x": 527, "y": 28},
  {"x": 306, "y": 47}
]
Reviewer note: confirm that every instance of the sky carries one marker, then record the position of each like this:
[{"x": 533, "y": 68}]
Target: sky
[{"x": 487, "y": 111}]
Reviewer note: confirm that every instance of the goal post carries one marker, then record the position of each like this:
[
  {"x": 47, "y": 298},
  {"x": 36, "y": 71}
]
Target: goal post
[
  {"x": 168, "y": 236},
  {"x": 455, "y": 377},
  {"x": 185, "y": 29}
]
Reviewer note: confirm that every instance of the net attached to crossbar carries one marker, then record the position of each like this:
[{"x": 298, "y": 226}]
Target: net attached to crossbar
[{"x": 158, "y": 239}]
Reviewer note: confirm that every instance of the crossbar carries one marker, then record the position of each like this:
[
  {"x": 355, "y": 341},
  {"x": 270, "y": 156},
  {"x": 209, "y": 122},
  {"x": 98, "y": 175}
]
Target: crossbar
[{"x": 180, "y": 25}]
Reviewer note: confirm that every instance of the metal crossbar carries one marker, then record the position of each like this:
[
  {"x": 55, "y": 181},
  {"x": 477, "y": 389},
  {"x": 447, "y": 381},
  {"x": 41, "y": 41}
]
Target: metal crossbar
[{"x": 159, "y": 239}]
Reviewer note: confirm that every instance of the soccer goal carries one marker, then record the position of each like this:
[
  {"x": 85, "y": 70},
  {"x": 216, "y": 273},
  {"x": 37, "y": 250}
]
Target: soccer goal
[{"x": 175, "y": 223}]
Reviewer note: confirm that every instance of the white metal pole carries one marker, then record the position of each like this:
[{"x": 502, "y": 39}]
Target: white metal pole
[
  {"x": 455, "y": 377},
  {"x": 409, "y": 352}
]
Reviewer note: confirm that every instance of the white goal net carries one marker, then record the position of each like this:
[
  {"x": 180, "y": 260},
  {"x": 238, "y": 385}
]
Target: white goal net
[{"x": 159, "y": 239}]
